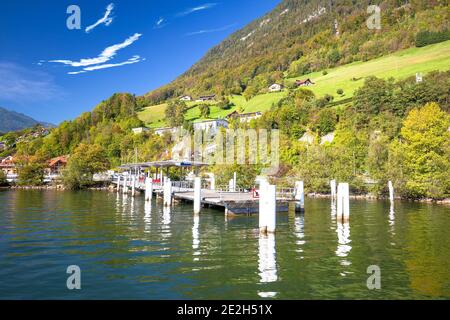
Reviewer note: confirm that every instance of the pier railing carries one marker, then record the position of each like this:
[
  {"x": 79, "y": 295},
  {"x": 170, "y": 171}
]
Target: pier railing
[
  {"x": 285, "y": 193},
  {"x": 226, "y": 188}
]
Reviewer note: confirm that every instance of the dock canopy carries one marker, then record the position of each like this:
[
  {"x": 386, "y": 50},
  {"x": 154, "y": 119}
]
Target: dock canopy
[{"x": 163, "y": 164}]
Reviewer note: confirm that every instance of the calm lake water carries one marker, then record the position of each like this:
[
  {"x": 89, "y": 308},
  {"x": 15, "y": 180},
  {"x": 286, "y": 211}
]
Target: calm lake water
[{"x": 129, "y": 250}]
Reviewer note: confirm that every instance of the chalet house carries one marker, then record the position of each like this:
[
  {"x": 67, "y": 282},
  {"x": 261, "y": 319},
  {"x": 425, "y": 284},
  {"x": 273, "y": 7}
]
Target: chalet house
[
  {"x": 186, "y": 98},
  {"x": 276, "y": 87},
  {"x": 305, "y": 83},
  {"x": 206, "y": 98},
  {"x": 162, "y": 131},
  {"x": 56, "y": 165},
  {"x": 8, "y": 166},
  {"x": 211, "y": 125},
  {"x": 139, "y": 130},
  {"x": 244, "y": 117}
]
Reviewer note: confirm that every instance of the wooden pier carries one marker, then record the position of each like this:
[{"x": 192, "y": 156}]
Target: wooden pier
[
  {"x": 232, "y": 202},
  {"x": 228, "y": 198}
]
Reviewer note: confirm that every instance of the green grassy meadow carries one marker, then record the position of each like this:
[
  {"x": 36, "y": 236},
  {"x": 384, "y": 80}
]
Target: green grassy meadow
[{"x": 399, "y": 65}]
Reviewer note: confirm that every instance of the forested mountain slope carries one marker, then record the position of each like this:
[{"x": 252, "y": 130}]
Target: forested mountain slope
[{"x": 303, "y": 36}]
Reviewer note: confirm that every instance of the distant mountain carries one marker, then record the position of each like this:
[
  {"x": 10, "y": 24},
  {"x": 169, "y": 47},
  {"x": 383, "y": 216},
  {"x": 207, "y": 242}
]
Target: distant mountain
[{"x": 13, "y": 121}]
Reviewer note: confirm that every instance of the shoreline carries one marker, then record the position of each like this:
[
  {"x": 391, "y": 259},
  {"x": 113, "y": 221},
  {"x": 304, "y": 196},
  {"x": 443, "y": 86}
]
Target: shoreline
[{"x": 311, "y": 195}]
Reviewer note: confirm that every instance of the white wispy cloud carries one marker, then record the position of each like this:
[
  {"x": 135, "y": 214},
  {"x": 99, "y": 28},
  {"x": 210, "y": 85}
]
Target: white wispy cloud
[
  {"x": 106, "y": 55},
  {"x": 196, "y": 9},
  {"x": 211, "y": 30},
  {"x": 134, "y": 59},
  {"x": 22, "y": 85},
  {"x": 106, "y": 20},
  {"x": 160, "y": 23}
]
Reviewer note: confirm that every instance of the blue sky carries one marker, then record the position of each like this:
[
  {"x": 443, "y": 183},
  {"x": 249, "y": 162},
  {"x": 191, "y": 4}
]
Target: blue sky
[{"x": 53, "y": 74}]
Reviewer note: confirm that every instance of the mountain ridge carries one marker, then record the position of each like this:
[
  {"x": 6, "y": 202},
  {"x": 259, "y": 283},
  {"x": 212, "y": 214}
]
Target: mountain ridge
[{"x": 13, "y": 121}]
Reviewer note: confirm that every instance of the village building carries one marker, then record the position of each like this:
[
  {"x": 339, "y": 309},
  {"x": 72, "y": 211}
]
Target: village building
[
  {"x": 206, "y": 98},
  {"x": 186, "y": 98},
  {"x": 139, "y": 130},
  {"x": 304, "y": 83},
  {"x": 162, "y": 131},
  {"x": 8, "y": 166},
  {"x": 276, "y": 87},
  {"x": 56, "y": 165},
  {"x": 212, "y": 126},
  {"x": 244, "y": 117}
]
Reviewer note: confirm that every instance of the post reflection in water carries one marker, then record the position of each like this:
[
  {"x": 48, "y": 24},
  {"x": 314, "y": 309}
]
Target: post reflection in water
[
  {"x": 267, "y": 263},
  {"x": 131, "y": 205},
  {"x": 196, "y": 238},
  {"x": 299, "y": 227},
  {"x": 333, "y": 209},
  {"x": 118, "y": 202},
  {"x": 147, "y": 216},
  {"x": 165, "y": 226},
  {"x": 392, "y": 216},
  {"x": 343, "y": 248},
  {"x": 124, "y": 201},
  {"x": 392, "y": 221},
  {"x": 166, "y": 216}
]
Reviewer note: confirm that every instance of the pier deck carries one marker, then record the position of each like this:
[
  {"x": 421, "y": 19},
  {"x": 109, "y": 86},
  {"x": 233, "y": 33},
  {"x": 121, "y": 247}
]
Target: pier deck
[{"x": 239, "y": 202}]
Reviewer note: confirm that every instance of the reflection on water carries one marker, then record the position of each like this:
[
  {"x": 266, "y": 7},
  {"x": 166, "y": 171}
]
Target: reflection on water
[
  {"x": 392, "y": 216},
  {"x": 147, "y": 216},
  {"x": 196, "y": 237},
  {"x": 343, "y": 248},
  {"x": 166, "y": 215},
  {"x": 267, "y": 259},
  {"x": 131, "y": 249},
  {"x": 299, "y": 228},
  {"x": 333, "y": 208},
  {"x": 267, "y": 263}
]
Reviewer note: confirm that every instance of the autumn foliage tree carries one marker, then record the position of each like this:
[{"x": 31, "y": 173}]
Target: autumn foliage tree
[
  {"x": 86, "y": 160},
  {"x": 426, "y": 152}
]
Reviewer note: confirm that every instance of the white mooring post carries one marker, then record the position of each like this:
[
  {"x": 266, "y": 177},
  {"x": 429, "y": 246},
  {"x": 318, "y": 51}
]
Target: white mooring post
[
  {"x": 333, "y": 189},
  {"x": 267, "y": 207},
  {"x": 299, "y": 196},
  {"x": 391, "y": 191},
  {"x": 167, "y": 192},
  {"x": 346, "y": 202},
  {"x": 271, "y": 208},
  {"x": 231, "y": 185},
  {"x": 213, "y": 182},
  {"x": 148, "y": 189},
  {"x": 118, "y": 183},
  {"x": 133, "y": 186},
  {"x": 339, "y": 202},
  {"x": 262, "y": 206},
  {"x": 197, "y": 194},
  {"x": 343, "y": 201},
  {"x": 125, "y": 185}
]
